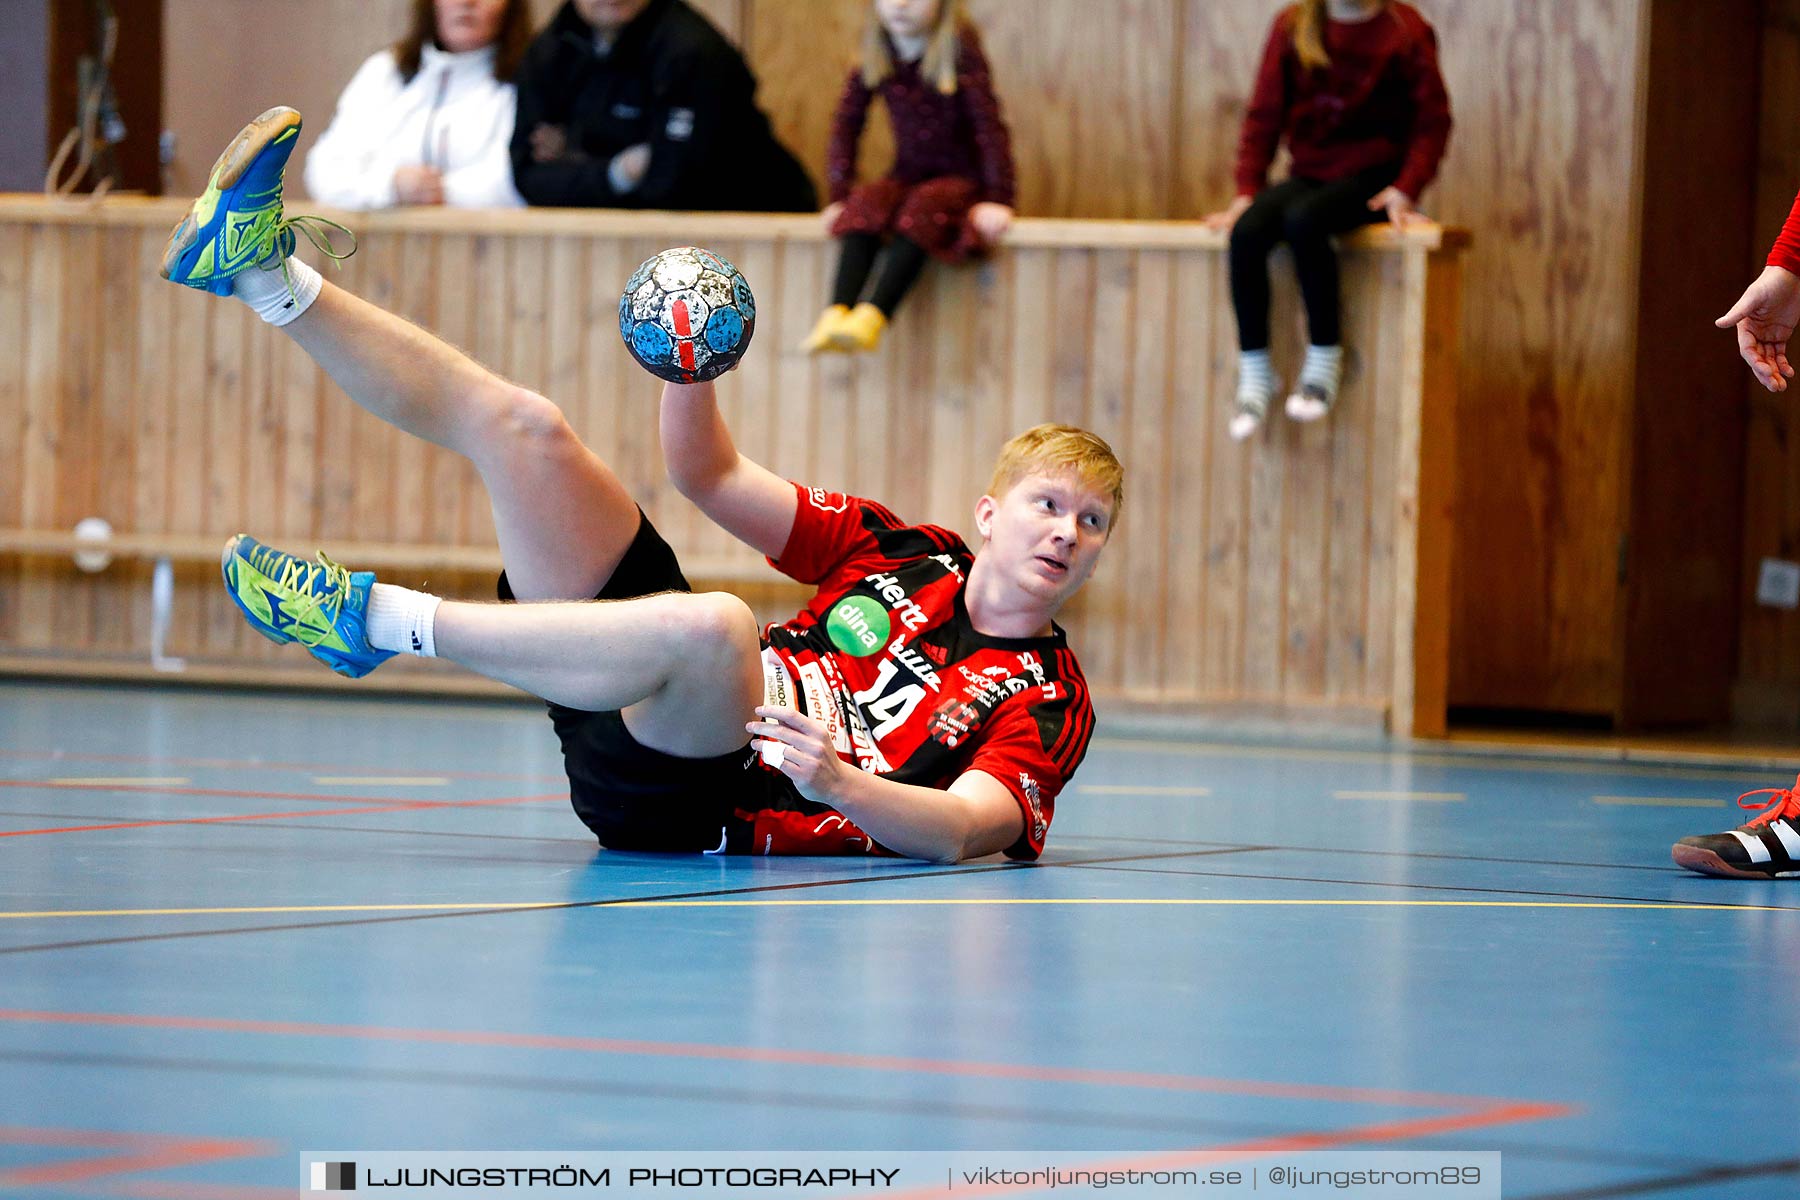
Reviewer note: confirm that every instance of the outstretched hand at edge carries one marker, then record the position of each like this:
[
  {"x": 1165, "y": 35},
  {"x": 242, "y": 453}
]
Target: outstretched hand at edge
[{"x": 1765, "y": 316}]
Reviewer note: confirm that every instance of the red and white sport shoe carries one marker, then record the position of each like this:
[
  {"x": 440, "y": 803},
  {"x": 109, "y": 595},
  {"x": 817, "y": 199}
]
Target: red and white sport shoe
[{"x": 1768, "y": 847}]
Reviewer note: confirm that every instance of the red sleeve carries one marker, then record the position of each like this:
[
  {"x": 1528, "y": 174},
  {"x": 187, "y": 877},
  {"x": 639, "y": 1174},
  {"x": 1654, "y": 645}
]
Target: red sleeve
[
  {"x": 1267, "y": 112},
  {"x": 846, "y": 131},
  {"x": 830, "y": 528},
  {"x": 1431, "y": 116},
  {"x": 1033, "y": 750},
  {"x": 1786, "y": 251},
  {"x": 993, "y": 142}
]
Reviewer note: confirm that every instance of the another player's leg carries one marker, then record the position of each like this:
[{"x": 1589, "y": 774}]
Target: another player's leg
[
  {"x": 563, "y": 517},
  {"x": 1767, "y": 847}
]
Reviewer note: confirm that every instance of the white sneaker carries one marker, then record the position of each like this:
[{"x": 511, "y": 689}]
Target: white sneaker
[
  {"x": 1310, "y": 403},
  {"x": 1244, "y": 424}
]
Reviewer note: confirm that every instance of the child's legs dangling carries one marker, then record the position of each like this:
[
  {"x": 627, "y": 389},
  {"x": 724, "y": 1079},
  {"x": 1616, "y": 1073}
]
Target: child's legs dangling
[
  {"x": 856, "y": 259},
  {"x": 901, "y": 267},
  {"x": 1253, "y": 238},
  {"x": 930, "y": 221},
  {"x": 1257, "y": 232},
  {"x": 868, "y": 212},
  {"x": 1308, "y": 227}
]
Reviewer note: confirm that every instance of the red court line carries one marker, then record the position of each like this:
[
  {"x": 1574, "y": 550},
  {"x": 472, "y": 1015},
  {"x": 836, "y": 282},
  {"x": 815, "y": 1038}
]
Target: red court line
[
  {"x": 254, "y": 764},
  {"x": 133, "y": 1152},
  {"x": 167, "y": 789},
  {"x": 390, "y": 806},
  {"x": 156, "y": 1189},
  {"x": 765, "y": 1054}
]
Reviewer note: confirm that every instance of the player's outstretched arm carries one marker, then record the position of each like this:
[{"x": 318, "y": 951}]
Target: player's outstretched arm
[
  {"x": 745, "y": 498},
  {"x": 974, "y": 817}
]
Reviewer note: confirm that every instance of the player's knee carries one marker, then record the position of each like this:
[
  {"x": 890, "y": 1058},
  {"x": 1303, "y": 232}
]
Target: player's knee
[
  {"x": 519, "y": 416},
  {"x": 723, "y": 630}
]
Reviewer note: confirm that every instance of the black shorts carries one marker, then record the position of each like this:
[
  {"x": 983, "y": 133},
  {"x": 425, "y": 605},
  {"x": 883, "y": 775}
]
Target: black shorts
[{"x": 636, "y": 798}]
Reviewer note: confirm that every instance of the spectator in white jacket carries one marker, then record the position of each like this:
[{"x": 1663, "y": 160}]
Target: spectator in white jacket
[{"x": 429, "y": 120}]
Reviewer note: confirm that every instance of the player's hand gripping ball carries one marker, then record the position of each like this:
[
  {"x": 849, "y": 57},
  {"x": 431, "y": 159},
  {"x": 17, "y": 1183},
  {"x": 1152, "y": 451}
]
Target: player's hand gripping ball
[{"x": 687, "y": 315}]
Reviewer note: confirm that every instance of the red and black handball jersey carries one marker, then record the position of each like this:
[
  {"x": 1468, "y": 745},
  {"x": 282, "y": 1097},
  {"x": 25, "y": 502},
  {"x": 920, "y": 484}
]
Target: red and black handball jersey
[{"x": 886, "y": 656}]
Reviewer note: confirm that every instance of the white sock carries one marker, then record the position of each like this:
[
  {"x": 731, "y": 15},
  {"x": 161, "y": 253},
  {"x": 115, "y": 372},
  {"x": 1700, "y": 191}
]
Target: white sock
[
  {"x": 402, "y": 619},
  {"x": 267, "y": 291},
  {"x": 1256, "y": 382},
  {"x": 1323, "y": 369}
]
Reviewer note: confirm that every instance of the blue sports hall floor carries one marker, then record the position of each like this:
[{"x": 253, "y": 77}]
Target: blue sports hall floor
[{"x": 235, "y": 926}]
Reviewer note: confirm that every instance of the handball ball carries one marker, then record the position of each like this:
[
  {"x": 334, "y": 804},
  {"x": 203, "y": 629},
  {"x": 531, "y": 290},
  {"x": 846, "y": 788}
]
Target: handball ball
[{"x": 687, "y": 315}]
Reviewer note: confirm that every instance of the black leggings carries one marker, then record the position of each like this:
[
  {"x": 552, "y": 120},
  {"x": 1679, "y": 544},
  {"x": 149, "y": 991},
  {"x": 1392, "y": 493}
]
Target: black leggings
[
  {"x": 901, "y": 266},
  {"x": 1305, "y": 214}
]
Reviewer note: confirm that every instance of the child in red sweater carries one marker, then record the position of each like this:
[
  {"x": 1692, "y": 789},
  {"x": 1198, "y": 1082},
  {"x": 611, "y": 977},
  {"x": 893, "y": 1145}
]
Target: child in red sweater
[
  {"x": 950, "y": 193},
  {"x": 1354, "y": 88}
]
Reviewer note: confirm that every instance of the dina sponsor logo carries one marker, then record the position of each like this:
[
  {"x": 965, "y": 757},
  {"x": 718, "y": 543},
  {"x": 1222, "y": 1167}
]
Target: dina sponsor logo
[{"x": 858, "y": 626}]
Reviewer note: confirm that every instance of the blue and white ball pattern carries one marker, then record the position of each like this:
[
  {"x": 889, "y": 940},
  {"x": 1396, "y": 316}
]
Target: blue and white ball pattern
[{"x": 687, "y": 315}]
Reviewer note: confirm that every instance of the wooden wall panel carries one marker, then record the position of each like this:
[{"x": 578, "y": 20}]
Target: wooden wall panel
[
  {"x": 1131, "y": 109},
  {"x": 1681, "y": 578},
  {"x": 1220, "y": 48},
  {"x": 1089, "y": 92},
  {"x": 1263, "y": 575},
  {"x": 1544, "y": 168},
  {"x": 1768, "y": 688}
]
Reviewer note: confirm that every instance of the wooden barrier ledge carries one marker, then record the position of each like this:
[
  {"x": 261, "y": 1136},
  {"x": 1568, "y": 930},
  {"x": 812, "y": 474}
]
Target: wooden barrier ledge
[{"x": 1304, "y": 574}]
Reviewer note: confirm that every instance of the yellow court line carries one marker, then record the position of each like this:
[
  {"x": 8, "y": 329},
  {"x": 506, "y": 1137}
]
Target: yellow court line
[
  {"x": 1579, "y": 763},
  {"x": 1660, "y": 801},
  {"x": 1444, "y": 797},
  {"x": 122, "y": 781},
  {"x": 958, "y": 901},
  {"x": 1126, "y": 789},
  {"x": 381, "y": 780}
]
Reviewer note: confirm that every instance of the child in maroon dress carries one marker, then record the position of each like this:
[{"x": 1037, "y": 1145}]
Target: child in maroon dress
[
  {"x": 950, "y": 193},
  {"x": 1354, "y": 88}
]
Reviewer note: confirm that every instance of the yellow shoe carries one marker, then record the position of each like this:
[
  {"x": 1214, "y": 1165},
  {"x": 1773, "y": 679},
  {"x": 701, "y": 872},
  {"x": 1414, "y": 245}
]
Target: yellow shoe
[
  {"x": 821, "y": 336},
  {"x": 860, "y": 329}
]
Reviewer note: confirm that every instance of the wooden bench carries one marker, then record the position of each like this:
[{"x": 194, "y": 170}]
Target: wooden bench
[
  {"x": 1303, "y": 571},
  {"x": 164, "y": 551}
]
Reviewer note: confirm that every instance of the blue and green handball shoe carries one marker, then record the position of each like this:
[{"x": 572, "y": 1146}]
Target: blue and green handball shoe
[
  {"x": 318, "y": 604},
  {"x": 237, "y": 221}
]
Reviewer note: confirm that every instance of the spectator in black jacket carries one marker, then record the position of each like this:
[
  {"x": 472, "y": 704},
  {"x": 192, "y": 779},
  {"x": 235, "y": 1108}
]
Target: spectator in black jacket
[{"x": 643, "y": 104}]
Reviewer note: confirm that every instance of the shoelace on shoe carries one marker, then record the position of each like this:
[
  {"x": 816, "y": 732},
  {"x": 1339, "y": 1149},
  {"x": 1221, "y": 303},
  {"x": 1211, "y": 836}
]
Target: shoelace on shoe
[
  {"x": 315, "y": 229},
  {"x": 308, "y": 580},
  {"x": 1787, "y": 803}
]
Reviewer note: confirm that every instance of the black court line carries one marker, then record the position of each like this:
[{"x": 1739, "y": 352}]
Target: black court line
[
  {"x": 937, "y": 1107},
  {"x": 613, "y": 902},
  {"x": 1450, "y": 887},
  {"x": 1454, "y": 756},
  {"x": 580, "y": 904},
  {"x": 1660, "y": 869},
  {"x": 1592, "y": 1156},
  {"x": 1706, "y": 1177}
]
